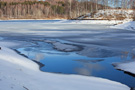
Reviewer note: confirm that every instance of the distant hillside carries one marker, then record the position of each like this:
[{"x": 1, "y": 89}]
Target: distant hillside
[
  {"x": 109, "y": 14},
  {"x": 49, "y": 9},
  {"x": 61, "y": 9}
]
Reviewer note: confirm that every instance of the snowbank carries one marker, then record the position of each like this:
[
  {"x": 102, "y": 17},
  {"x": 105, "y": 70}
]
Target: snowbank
[
  {"x": 19, "y": 73},
  {"x": 126, "y": 66},
  {"x": 129, "y": 26}
]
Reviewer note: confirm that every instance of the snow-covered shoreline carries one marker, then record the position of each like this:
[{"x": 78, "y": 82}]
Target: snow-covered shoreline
[
  {"x": 128, "y": 26},
  {"x": 34, "y": 79},
  {"x": 126, "y": 66}
]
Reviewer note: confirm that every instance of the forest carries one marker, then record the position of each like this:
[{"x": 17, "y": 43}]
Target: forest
[{"x": 51, "y": 9}]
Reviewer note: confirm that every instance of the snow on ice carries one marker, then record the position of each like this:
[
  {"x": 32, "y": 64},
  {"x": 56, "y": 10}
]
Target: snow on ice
[{"x": 63, "y": 46}]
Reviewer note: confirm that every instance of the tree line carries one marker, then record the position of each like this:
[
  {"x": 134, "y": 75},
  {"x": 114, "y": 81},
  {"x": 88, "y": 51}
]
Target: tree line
[{"x": 35, "y": 9}]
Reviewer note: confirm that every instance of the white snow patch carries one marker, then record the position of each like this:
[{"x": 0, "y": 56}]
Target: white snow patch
[
  {"x": 126, "y": 66},
  {"x": 20, "y": 73},
  {"x": 129, "y": 26},
  {"x": 63, "y": 46}
]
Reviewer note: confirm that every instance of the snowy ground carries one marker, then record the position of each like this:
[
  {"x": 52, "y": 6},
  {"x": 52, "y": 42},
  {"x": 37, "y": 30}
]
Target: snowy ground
[
  {"x": 128, "y": 25},
  {"x": 100, "y": 41},
  {"x": 127, "y": 66}
]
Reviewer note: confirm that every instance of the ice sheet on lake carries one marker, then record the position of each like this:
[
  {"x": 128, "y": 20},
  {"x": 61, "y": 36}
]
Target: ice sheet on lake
[
  {"x": 98, "y": 52},
  {"x": 63, "y": 46},
  {"x": 1, "y": 38}
]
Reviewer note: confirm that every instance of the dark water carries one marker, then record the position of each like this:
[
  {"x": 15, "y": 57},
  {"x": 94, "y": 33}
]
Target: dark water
[{"x": 72, "y": 63}]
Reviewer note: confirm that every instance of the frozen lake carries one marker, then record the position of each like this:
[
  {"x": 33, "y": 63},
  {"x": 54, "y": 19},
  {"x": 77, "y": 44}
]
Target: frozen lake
[{"x": 99, "y": 47}]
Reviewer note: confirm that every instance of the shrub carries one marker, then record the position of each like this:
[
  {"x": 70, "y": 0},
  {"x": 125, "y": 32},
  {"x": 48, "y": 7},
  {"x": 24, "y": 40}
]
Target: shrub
[{"x": 134, "y": 18}]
